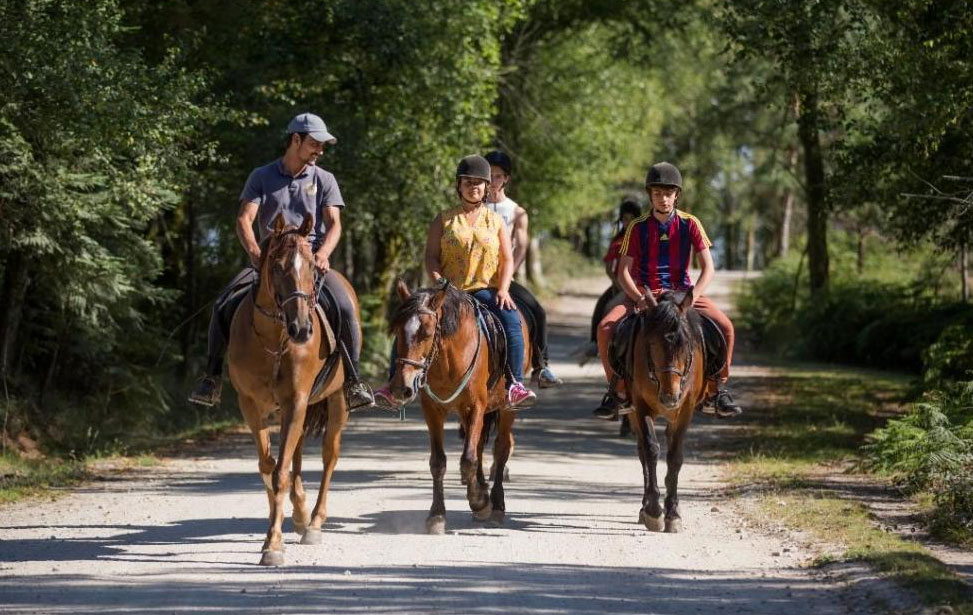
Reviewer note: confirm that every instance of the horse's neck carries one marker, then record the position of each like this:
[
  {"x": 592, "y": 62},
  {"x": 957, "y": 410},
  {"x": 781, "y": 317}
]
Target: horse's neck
[
  {"x": 263, "y": 304},
  {"x": 453, "y": 352}
]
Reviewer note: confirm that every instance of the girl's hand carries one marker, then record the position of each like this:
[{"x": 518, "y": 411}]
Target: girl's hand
[{"x": 504, "y": 301}]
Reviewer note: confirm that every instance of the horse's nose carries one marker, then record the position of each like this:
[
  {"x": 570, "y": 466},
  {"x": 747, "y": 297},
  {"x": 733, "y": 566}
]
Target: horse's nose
[
  {"x": 292, "y": 330},
  {"x": 669, "y": 400}
]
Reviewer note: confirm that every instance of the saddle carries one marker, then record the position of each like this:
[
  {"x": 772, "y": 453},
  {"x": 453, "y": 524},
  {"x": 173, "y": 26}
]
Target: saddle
[
  {"x": 621, "y": 349},
  {"x": 496, "y": 339}
]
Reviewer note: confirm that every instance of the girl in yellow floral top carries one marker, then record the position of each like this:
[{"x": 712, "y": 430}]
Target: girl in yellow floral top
[{"x": 469, "y": 246}]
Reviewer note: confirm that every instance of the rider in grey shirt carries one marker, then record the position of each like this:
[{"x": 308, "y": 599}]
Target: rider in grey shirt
[{"x": 293, "y": 186}]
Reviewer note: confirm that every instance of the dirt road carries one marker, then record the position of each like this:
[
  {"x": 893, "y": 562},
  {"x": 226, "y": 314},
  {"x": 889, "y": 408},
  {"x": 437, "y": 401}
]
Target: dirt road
[{"x": 185, "y": 537}]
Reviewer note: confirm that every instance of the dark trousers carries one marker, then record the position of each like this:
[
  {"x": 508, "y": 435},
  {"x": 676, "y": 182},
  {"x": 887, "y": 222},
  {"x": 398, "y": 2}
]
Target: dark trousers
[
  {"x": 536, "y": 319},
  {"x": 230, "y": 298}
]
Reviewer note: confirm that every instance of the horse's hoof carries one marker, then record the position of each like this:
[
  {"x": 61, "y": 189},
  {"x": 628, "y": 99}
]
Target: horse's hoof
[
  {"x": 436, "y": 525},
  {"x": 653, "y": 524},
  {"x": 312, "y": 536},
  {"x": 673, "y": 526},
  {"x": 300, "y": 528},
  {"x": 497, "y": 517},
  {"x": 484, "y": 513},
  {"x": 272, "y": 558}
]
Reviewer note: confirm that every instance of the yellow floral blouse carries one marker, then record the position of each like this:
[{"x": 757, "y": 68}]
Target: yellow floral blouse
[{"x": 469, "y": 256}]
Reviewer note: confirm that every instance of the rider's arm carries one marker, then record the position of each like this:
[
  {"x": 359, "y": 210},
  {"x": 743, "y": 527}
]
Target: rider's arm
[
  {"x": 628, "y": 285},
  {"x": 706, "y": 270},
  {"x": 433, "y": 237},
  {"x": 506, "y": 272},
  {"x": 244, "y": 230},
  {"x": 520, "y": 238},
  {"x": 332, "y": 234}
]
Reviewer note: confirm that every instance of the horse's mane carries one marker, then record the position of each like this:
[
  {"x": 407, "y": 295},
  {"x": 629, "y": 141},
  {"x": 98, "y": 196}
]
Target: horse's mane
[
  {"x": 667, "y": 321},
  {"x": 265, "y": 243},
  {"x": 455, "y": 306}
]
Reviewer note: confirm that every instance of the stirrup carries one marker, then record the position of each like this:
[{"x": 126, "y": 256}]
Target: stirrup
[{"x": 207, "y": 391}]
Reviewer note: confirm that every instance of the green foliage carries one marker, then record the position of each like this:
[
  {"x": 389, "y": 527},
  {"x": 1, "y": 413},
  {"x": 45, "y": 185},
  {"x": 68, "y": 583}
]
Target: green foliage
[
  {"x": 883, "y": 317},
  {"x": 931, "y": 448}
]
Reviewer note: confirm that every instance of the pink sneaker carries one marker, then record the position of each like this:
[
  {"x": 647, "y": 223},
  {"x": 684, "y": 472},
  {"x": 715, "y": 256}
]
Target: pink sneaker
[
  {"x": 520, "y": 396},
  {"x": 385, "y": 399}
]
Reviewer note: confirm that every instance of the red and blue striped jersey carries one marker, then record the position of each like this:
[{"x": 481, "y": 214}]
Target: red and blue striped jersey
[{"x": 660, "y": 251}]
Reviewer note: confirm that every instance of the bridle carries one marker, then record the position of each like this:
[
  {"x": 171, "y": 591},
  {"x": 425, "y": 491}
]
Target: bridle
[
  {"x": 670, "y": 369},
  {"x": 422, "y": 366},
  {"x": 278, "y": 313}
]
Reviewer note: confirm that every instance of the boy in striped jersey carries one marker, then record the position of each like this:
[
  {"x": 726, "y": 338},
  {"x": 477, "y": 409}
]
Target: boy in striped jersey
[{"x": 657, "y": 248}]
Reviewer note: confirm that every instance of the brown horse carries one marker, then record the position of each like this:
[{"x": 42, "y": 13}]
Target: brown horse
[
  {"x": 444, "y": 358},
  {"x": 667, "y": 381},
  {"x": 278, "y": 344}
]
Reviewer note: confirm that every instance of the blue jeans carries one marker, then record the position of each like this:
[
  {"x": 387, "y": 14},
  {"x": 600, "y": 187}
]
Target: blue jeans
[
  {"x": 511, "y": 326},
  {"x": 510, "y": 319}
]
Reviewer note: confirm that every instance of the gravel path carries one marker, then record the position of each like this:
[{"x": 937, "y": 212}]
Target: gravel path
[{"x": 184, "y": 537}]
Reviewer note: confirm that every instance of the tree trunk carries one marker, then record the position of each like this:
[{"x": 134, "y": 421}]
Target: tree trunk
[
  {"x": 964, "y": 266},
  {"x": 535, "y": 272},
  {"x": 729, "y": 230},
  {"x": 15, "y": 282},
  {"x": 784, "y": 230},
  {"x": 860, "y": 260},
  {"x": 751, "y": 244},
  {"x": 817, "y": 206}
]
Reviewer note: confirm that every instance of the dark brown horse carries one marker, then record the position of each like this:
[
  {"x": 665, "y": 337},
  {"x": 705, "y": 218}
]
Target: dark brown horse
[
  {"x": 443, "y": 357},
  {"x": 278, "y": 344},
  {"x": 667, "y": 381}
]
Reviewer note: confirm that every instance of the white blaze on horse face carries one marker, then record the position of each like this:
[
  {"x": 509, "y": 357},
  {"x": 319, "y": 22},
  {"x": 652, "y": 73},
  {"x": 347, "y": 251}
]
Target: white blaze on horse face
[
  {"x": 298, "y": 263},
  {"x": 411, "y": 329}
]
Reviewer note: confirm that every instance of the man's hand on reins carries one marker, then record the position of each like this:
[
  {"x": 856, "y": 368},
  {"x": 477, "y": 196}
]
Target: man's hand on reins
[{"x": 321, "y": 262}]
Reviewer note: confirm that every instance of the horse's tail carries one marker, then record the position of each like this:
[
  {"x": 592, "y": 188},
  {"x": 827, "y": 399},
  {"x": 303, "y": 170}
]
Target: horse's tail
[{"x": 316, "y": 419}]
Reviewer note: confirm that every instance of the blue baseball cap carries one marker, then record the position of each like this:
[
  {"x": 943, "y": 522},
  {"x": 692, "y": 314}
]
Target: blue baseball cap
[{"x": 313, "y": 126}]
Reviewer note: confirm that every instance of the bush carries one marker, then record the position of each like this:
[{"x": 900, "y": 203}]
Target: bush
[{"x": 931, "y": 449}]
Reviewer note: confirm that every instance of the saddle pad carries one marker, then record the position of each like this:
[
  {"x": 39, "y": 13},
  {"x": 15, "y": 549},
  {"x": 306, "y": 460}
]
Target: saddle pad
[
  {"x": 714, "y": 345},
  {"x": 492, "y": 328},
  {"x": 327, "y": 338},
  {"x": 622, "y": 345}
]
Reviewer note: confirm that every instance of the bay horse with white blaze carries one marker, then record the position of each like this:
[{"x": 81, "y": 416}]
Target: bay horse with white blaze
[
  {"x": 443, "y": 356},
  {"x": 667, "y": 380},
  {"x": 279, "y": 343}
]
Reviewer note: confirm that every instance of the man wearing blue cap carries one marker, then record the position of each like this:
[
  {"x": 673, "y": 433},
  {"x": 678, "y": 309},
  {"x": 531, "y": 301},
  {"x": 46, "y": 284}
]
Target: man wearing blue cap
[{"x": 293, "y": 186}]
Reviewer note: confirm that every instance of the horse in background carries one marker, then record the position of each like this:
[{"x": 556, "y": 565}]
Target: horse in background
[
  {"x": 667, "y": 379},
  {"x": 443, "y": 356},
  {"x": 279, "y": 344}
]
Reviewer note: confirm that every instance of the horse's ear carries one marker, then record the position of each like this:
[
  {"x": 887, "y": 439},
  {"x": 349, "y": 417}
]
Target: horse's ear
[
  {"x": 306, "y": 225},
  {"x": 687, "y": 301},
  {"x": 278, "y": 223},
  {"x": 402, "y": 290},
  {"x": 437, "y": 300}
]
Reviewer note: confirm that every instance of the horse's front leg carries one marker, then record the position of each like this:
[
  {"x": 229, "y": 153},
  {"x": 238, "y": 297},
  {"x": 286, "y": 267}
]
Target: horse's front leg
[
  {"x": 476, "y": 493},
  {"x": 501, "y": 453},
  {"x": 261, "y": 437},
  {"x": 292, "y": 413},
  {"x": 337, "y": 409},
  {"x": 675, "y": 436},
  {"x": 648, "y": 447},
  {"x": 298, "y": 495},
  {"x": 435, "y": 417}
]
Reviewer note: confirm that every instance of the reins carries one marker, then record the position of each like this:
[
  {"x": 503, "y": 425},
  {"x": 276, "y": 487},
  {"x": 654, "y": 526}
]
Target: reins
[{"x": 423, "y": 366}]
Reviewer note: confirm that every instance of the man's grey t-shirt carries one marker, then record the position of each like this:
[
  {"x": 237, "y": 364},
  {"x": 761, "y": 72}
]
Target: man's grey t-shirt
[{"x": 275, "y": 191}]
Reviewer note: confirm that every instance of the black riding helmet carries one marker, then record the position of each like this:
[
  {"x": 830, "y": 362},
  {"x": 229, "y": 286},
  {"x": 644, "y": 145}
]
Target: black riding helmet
[
  {"x": 474, "y": 166},
  {"x": 663, "y": 174},
  {"x": 500, "y": 159},
  {"x": 631, "y": 207}
]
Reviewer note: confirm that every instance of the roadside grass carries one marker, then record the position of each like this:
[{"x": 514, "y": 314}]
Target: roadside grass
[
  {"x": 849, "y": 524},
  {"x": 22, "y": 478},
  {"x": 809, "y": 422}
]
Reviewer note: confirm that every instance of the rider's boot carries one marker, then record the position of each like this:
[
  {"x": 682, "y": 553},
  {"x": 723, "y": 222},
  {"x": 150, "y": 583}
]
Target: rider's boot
[
  {"x": 359, "y": 395},
  {"x": 613, "y": 404},
  {"x": 207, "y": 391},
  {"x": 722, "y": 405},
  {"x": 544, "y": 378},
  {"x": 384, "y": 398}
]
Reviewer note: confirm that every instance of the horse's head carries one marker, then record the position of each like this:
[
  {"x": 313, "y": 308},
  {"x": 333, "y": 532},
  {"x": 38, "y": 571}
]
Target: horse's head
[
  {"x": 671, "y": 344},
  {"x": 287, "y": 273},
  {"x": 419, "y": 325}
]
